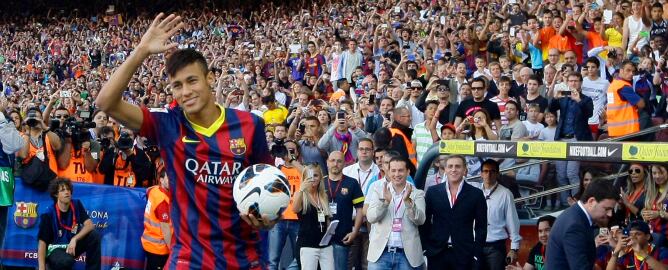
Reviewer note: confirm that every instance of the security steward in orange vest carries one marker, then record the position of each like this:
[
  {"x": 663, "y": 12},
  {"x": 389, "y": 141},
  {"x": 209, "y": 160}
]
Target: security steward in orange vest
[
  {"x": 157, "y": 236},
  {"x": 124, "y": 164},
  {"x": 623, "y": 103},
  {"x": 401, "y": 136}
]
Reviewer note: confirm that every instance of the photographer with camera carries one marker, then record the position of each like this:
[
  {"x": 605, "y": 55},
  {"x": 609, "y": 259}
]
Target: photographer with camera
[
  {"x": 80, "y": 155},
  {"x": 39, "y": 141},
  {"x": 124, "y": 164},
  {"x": 575, "y": 110}
]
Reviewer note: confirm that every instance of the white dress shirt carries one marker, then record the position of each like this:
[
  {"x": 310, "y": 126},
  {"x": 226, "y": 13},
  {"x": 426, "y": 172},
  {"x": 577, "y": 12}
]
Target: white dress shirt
[
  {"x": 501, "y": 215},
  {"x": 363, "y": 177}
]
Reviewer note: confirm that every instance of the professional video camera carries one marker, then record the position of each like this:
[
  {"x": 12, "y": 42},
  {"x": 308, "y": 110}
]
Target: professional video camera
[{"x": 71, "y": 128}]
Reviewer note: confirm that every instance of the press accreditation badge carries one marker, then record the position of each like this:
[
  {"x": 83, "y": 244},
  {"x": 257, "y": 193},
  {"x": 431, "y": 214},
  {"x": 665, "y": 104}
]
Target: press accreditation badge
[
  {"x": 396, "y": 225},
  {"x": 40, "y": 154},
  {"x": 332, "y": 208},
  {"x": 321, "y": 216}
]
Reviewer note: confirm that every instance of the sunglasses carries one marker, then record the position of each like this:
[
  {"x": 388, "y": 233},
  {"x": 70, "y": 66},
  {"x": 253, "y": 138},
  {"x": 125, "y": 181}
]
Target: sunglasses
[
  {"x": 636, "y": 170},
  {"x": 442, "y": 89}
]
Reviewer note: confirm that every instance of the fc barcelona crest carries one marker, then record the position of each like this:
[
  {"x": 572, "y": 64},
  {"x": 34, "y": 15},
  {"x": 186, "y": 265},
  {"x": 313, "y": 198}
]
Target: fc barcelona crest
[
  {"x": 25, "y": 215},
  {"x": 238, "y": 146}
]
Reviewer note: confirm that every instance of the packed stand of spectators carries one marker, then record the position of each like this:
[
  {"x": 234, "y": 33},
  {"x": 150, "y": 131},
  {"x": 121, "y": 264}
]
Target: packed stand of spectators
[{"x": 346, "y": 87}]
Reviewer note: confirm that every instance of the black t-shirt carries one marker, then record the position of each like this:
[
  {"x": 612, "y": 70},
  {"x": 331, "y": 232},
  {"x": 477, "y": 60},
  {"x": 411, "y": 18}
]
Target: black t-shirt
[
  {"x": 537, "y": 256},
  {"x": 467, "y": 107},
  {"x": 542, "y": 104},
  {"x": 347, "y": 194},
  {"x": 49, "y": 228},
  {"x": 309, "y": 228}
]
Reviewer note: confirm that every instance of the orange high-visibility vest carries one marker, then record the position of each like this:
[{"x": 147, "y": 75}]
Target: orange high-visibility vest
[
  {"x": 39, "y": 152},
  {"x": 76, "y": 169},
  {"x": 622, "y": 115},
  {"x": 412, "y": 155},
  {"x": 152, "y": 240}
]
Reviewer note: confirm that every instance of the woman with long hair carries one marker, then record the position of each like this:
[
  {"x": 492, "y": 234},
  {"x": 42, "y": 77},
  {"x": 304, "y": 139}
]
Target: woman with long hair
[
  {"x": 311, "y": 205},
  {"x": 656, "y": 202},
  {"x": 477, "y": 127},
  {"x": 586, "y": 176},
  {"x": 637, "y": 184}
]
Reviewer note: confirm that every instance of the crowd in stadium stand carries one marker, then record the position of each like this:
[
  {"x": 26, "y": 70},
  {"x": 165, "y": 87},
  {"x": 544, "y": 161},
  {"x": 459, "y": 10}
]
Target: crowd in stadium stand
[{"x": 354, "y": 93}]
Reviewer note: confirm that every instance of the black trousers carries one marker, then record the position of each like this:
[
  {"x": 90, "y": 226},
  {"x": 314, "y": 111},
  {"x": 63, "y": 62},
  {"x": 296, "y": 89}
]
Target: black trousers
[
  {"x": 59, "y": 259},
  {"x": 155, "y": 261},
  {"x": 494, "y": 255},
  {"x": 447, "y": 259}
]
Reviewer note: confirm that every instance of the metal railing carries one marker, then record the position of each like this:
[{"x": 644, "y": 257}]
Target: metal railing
[{"x": 566, "y": 187}]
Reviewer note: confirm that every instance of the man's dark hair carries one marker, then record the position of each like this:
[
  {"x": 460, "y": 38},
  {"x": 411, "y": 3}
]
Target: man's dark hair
[
  {"x": 106, "y": 130},
  {"x": 550, "y": 220},
  {"x": 627, "y": 62},
  {"x": 505, "y": 79},
  {"x": 480, "y": 80},
  {"x": 365, "y": 140},
  {"x": 400, "y": 159},
  {"x": 388, "y": 98},
  {"x": 341, "y": 82},
  {"x": 517, "y": 105},
  {"x": 491, "y": 162},
  {"x": 593, "y": 60},
  {"x": 536, "y": 78},
  {"x": 54, "y": 187},
  {"x": 575, "y": 74},
  {"x": 312, "y": 118},
  {"x": 599, "y": 190},
  {"x": 429, "y": 102},
  {"x": 382, "y": 136},
  {"x": 182, "y": 58}
]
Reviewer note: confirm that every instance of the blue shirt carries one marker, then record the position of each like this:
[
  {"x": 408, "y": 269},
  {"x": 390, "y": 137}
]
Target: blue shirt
[
  {"x": 571, "y": 113},
  {"x": 536, "y": 57}
]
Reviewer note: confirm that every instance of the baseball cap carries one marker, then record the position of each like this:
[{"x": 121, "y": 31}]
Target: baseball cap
[
  {"x": 450, "y": 127},
  {"x": 416, "y": 83}
]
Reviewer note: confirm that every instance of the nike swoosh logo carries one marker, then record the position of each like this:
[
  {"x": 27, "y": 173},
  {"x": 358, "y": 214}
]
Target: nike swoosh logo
[
  {"x": 254, "y": 190},
  {"x": 612, "y": 152},
  {"x": 186, "y": 140},
  {"x": 509, "y": 148}
]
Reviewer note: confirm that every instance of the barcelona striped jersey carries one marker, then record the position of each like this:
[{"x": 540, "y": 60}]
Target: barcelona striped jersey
[{"x": 202, "y": 163}]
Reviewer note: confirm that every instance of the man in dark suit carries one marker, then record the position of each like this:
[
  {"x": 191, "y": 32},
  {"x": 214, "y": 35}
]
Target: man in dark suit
[
  {"x": 453, "y": 207},
  {"x": 571, "y": 243}
]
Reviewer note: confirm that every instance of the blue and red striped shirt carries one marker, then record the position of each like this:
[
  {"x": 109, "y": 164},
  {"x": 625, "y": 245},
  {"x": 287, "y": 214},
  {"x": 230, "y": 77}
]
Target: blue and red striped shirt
[{"x": 202, "y": 164}]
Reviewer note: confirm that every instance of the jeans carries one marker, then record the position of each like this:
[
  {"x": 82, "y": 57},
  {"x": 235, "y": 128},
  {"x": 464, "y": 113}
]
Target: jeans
[
  {"x": 282, "y": 231},
  {"x": 341, "y": 256},
  {"x": 568, "y": 172},
  {"x": 392, "y": 261},
  {"x": 494, "y": 256}
]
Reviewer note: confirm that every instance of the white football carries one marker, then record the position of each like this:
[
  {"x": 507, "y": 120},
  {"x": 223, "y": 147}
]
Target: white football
[{"x": 261, "y": 189}]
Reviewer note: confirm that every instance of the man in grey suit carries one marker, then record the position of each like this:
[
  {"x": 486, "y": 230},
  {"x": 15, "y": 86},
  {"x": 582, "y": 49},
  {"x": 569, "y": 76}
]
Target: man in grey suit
[
  {"x": 571, "y": 244},
  {"x": 395, "y": 212}
]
